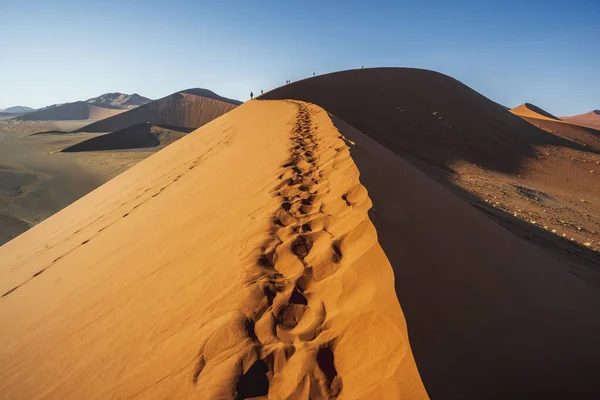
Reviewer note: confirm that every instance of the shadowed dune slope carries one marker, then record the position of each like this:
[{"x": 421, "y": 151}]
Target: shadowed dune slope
[
  {"x": 238, "y": 262},
  {"x": 490, "y": 315},
  {"x": 78, "y": 110},
  {"x": 590, "y": 120},
  {"x": 137, "y": 136},
  {"x": 533, "y": 111},
  {"x": 423, "y": 113},
  {"x": 190, "y": 108}
]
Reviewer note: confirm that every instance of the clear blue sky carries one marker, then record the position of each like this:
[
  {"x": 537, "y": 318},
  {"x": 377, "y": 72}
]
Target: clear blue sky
[{"x": 543, "y": 52}]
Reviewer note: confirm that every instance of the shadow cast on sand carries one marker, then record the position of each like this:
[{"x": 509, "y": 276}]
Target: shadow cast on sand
[
  {"x": 489, "y": 314},
  {"x": 427, "y": 113}
]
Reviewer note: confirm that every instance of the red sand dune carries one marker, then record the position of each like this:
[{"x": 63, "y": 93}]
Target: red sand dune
[
  {"x": 238, "y": 262},
  {"x": 532, "y": 111},
  {"x": 478, "y": 300},
  {"x": 568, "y": 128},
  {"x": 246, "y": 260},
  {"x": 187, "y": 109},
  {"x": 423, "y": 114},
  {"x": 590, "y": 120}
]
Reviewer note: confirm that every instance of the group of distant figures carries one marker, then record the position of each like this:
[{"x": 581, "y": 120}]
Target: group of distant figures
[{"x": 286, "y": 82}]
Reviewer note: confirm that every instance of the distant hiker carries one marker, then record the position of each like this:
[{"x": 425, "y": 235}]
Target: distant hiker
[
  {"x": 261, "y": 92},
  {"x": 251, "y": 95},
  {"x": 313, "y": 74}
]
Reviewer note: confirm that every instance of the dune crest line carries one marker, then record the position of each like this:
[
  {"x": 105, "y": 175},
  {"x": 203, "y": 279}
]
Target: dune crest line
[{"x": 308, "y": 308}]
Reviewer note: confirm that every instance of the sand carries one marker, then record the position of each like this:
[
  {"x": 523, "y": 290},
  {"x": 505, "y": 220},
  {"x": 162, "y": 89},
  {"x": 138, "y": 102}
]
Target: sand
[
  {"x": 143, "y": 135},
  {"x": 490, "y": 316},
  {"x": 36, "y": 182},
  {"x": 479, "y": 150},
  {"x": 424, "y": 115},
  {"x": 574, "y": 132},
  {"x": 532, "y": 111},
  {"x": 32, "y": 127},
  {"x": 589, "y": 120},
  {"x": 239, "y": 260},
  {"x": 538, "y": 190},
  {"x": 78, "y": 110},
  {"x": 267, "y": 254},
  {"x": 187, "y": 109},
  {"x": 119, "y": 100}
]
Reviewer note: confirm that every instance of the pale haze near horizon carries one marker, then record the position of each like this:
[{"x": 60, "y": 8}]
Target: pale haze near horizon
[{"x": 512, "y": 52}]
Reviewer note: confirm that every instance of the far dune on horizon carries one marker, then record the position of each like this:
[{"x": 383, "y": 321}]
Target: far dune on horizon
[{"x": 590, "y": 119}]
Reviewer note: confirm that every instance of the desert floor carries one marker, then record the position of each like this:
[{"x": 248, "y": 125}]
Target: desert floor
[{"x": 36, "y": 181}]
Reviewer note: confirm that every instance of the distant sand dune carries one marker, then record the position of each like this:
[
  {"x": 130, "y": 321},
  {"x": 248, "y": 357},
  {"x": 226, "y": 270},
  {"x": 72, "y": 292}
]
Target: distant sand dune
[
  {"x": 531, "y": 111},
  {"x": 79, "y": 110},
  {"x": 188, "y": 109},
  {"x": 119, "y": 100},
  {"x": 590, "y": 120},
  {"x": 142, "y": 135},
  {"x": 570, "y": 130},
  {"x": 569, "y": 127},
  {"x": 423, "y": 114}
]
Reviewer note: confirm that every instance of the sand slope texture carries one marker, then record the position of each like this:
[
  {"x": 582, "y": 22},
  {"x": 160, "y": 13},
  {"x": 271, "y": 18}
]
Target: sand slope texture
[
  {"x": 238, "y": 262},
  {"x": 495, "y": 263}
]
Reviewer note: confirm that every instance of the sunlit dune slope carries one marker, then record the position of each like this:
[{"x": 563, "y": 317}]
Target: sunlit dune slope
[
  {"x": 422, "y": 114},
  {"x": 569, "y": 128},
  {"x": 187, "y": 109},
  {"x": 532, "y": 111},
  {"x": 237, "y": 262}
]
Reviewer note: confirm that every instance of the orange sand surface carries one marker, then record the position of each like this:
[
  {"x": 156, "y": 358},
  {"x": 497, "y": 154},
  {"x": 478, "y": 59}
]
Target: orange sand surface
[
  {"x": 531, "y": 111},
  {"x": 239, "y": 261}
]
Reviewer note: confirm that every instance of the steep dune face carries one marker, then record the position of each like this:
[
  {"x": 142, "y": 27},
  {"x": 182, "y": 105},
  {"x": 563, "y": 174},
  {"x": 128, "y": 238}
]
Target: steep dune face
[
  {"x": 590, "y": 120},
  {"x": 490, "y": 315},
  {"x": 248, "y": 267},
  {"x": 532, "y": 111},
  {"x": 183, "y": 109},
  {"x": 79, "y": 110},
  {"x": 423, "y": 114}
]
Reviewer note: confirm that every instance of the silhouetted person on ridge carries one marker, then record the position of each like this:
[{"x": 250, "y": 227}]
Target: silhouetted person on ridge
[
  {"x": 251, "y": 95},
  {"x": 261, "y": 92},
  {"x": 313, "y": 74}
]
